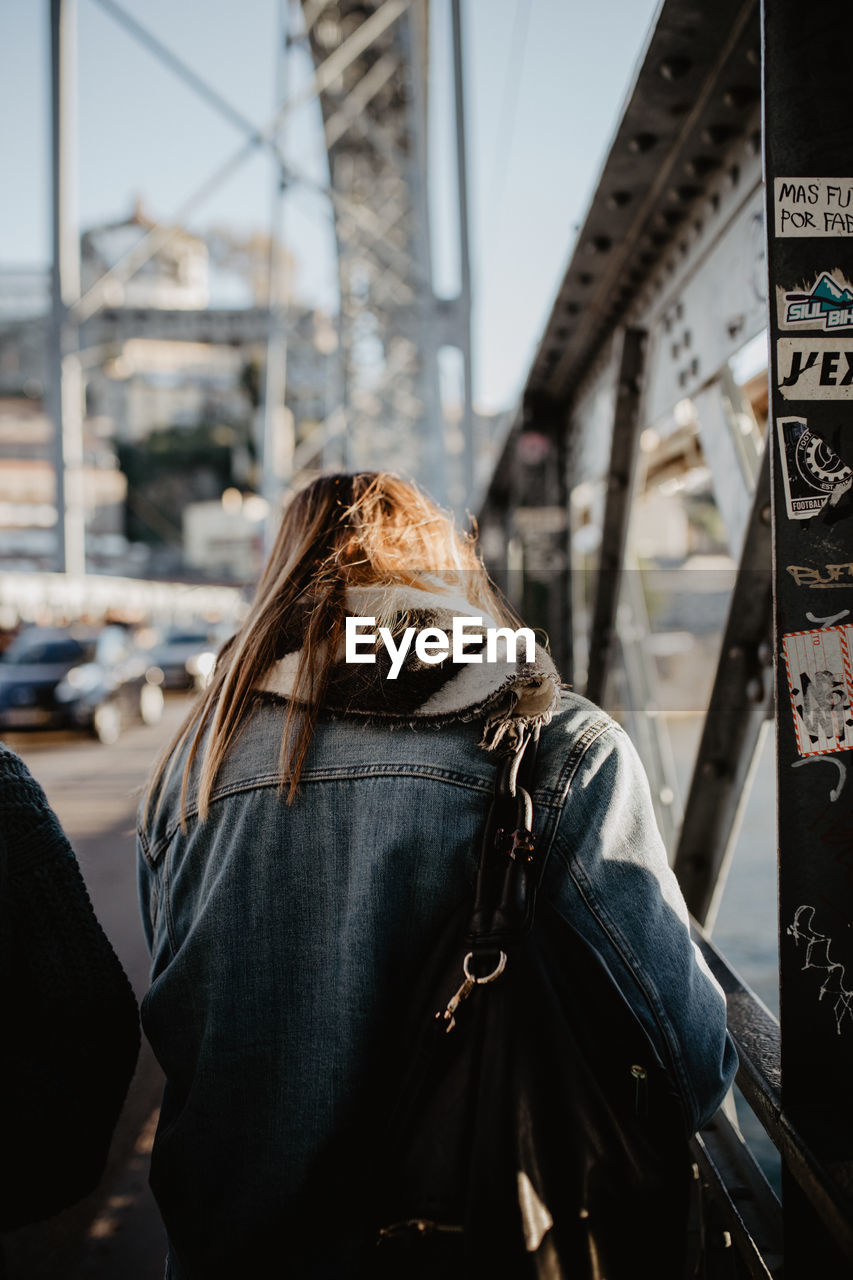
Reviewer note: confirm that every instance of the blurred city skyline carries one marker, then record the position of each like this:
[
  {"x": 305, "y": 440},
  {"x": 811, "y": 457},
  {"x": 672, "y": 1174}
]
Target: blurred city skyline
[{"x": 545, "y": 83}]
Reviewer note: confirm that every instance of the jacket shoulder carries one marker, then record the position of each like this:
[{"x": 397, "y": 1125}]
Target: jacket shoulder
[{"x": 575, "y": 727}]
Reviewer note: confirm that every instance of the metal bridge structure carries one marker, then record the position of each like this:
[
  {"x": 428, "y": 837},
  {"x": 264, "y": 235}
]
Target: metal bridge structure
[
  {"x": 371, "y": 78},
  {"x": 689, "y": 262}
]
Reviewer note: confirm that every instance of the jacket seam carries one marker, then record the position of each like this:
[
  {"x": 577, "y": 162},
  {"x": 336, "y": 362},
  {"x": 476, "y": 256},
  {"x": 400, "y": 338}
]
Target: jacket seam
[
  {"x": 606, "y": 922},
  {"x": 145, "y": 847},
  {"x": 559, "y": 796},
  {"x": 154, "y": 852},
  {"x": 171, "y": 931}
]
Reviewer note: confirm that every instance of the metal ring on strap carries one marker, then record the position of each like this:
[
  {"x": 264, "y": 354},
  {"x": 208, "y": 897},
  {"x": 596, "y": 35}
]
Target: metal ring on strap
[{"x": 489, "y": 977}]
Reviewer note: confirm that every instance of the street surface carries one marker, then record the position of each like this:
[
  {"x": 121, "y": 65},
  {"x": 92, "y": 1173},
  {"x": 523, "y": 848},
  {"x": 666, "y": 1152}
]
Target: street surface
[{"x": 116, "y": 1233}]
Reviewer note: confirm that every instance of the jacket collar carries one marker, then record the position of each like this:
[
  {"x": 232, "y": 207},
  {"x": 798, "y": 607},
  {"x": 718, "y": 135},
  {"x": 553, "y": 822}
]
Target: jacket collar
[{"x": 510, "y": 697}]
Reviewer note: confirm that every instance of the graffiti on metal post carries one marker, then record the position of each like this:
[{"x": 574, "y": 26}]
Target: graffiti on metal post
[
  {"x": 825, "y": 575},
  {"x": 818, "y": 957},
  {"x": 840, "y": 766},
  {"x": 828, "y": 622}
]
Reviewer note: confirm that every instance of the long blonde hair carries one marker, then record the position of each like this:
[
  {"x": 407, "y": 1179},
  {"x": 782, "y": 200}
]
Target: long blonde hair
[{"x": 342, "y": 530}]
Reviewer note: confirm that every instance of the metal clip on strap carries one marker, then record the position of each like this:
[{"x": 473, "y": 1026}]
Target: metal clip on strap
[{"x": 508, "y": 873}]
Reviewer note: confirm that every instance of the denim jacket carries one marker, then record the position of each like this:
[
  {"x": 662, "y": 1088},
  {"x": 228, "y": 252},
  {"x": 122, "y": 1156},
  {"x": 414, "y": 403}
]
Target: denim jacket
[{"x": 283, "y": 936}]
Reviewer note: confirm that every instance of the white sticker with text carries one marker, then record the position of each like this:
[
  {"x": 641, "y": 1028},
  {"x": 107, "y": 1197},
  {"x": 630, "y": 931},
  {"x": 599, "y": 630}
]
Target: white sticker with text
[
  {"x": 815, "y": 368},
  {"x": 825, "y": 305},
  {"x": 813, "y": 206}
]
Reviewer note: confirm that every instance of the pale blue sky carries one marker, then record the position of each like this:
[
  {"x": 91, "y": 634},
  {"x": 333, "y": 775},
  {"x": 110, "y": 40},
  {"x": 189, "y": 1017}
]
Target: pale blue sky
[{"x": 546, "y": 80}]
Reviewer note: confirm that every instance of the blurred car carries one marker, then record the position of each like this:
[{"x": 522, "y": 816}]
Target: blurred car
[
  {"x": 62, "y": 678},
  {"x": 185, "y": 657}
]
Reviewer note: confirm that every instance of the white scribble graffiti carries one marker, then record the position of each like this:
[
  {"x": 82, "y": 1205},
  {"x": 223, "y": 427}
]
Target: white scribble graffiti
[
  {"x": 827, "y": 622},
  {"x": 818, "y": 957},
  {"x": 839, "y": 764}
]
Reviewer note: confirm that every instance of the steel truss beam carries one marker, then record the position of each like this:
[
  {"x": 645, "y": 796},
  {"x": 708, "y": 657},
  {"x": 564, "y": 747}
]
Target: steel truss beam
[
  {"x": 327, "y": 72},
  {"x": 620, "y": 485},
  {"x": 741, "y": 699}
]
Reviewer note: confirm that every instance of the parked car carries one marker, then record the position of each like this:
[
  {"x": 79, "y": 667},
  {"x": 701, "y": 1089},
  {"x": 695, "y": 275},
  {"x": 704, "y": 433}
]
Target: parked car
[
  {"x": 70, "y": 679},
  {"x": 186, "y": 657}
]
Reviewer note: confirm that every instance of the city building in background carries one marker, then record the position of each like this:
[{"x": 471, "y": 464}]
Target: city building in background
[{"x": 171, "y": 392}]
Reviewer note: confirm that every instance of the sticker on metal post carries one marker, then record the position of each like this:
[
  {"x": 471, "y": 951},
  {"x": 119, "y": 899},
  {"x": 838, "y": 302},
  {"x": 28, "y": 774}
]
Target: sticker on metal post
[
  {"x": 815, "y": 368},
  {"x": 825, "y": 305},
  {"x": 820, "y": 683},
  {"x": 813, "y": 474},
  {"x": 807, "y": 207}
]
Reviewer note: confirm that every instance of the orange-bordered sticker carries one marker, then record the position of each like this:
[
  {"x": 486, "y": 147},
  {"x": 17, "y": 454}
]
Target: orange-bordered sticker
[{"x": 820, "y": 682}]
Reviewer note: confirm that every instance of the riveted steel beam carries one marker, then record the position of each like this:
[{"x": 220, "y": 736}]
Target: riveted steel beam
[
  {"x": 620, "y": 485},
  {"x": 740, "y": 701}
]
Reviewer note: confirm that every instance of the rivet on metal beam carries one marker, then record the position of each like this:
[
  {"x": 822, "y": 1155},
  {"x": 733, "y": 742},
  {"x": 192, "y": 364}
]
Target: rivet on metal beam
[
  {"x": 598, "y": 244},
  {"x": 681, "y": 195},
  {"x": 739, "y": 96},
  {"x": 716, "y": 134},
  {"x": 755, "y": 689},
  {"x": 672, "y": 217},
  {"x": 618, "y": 199},
  {"x": 585, "y": 278},
  {"x": 642, "y": 142},
  {"x": 675, "y": 68},
  {"x": 699, "y": 166}
]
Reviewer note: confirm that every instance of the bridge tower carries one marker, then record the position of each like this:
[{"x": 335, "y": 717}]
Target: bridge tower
[
  {"x": 372, "y": 64},
  {"x": 371, "y": 74}
]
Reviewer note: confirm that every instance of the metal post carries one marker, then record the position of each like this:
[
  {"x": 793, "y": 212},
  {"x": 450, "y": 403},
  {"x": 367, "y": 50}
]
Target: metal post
[
  {"x": 623, "y": 455},
  {"x": 808, "y": 139},
  {"x": 276, "y": 433},
  {"x": 434, "y": 450},
  {"x": 464, "y": 300},
  {"x": 64, "y": 391}
]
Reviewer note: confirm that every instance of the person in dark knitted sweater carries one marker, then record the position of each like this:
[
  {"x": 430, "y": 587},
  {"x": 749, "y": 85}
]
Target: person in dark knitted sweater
[{"x": 70, "y": 1020}]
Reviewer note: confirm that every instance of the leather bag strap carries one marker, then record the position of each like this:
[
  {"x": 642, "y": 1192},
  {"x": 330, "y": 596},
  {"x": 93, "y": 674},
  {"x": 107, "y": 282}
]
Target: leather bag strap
[{"x": 510, "y": 866}]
